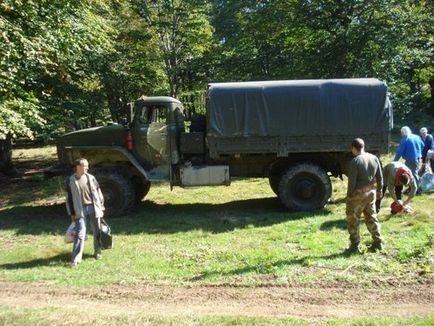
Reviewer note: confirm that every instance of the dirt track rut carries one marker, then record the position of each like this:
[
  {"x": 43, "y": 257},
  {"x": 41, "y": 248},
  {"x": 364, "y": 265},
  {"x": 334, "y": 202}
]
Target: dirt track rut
[{"x": 312, "y": 304}]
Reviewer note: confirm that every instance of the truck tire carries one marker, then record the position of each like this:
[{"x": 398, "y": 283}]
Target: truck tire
[
  {"x": 141, "y": 188},
  {"x": 305, "y": 187},
  {"x": 274, "y": 181},
  {"x": 118, "y": 191}
]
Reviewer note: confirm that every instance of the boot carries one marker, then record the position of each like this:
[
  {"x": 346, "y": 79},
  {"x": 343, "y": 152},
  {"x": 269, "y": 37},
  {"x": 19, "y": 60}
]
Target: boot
[
  {"x": 353, "y": 249},
  {"x": 375, "y": 246}
]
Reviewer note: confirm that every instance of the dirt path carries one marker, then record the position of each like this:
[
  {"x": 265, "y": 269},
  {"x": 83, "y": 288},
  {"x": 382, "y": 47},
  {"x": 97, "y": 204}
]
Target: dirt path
[{"x": 311, "y": 304}]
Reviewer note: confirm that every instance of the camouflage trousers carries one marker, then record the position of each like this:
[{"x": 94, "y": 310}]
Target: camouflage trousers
[{"x": 362, "y": 202}]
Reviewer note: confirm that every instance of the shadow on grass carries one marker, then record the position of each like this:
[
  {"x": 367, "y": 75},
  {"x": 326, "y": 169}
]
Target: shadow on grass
[
  {"x": 22, "y": 191},
  {"x": 263, "y": 268},
  {"x": 335, "y": 224},
  {"x": 152, "y": 218},
  {"x": 60, "y": 259}
]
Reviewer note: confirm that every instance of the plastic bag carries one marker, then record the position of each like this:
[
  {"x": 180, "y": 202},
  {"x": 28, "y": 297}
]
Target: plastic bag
[
  {"x": 70, "y": 233},
  {"x": 426, "y": 182}
]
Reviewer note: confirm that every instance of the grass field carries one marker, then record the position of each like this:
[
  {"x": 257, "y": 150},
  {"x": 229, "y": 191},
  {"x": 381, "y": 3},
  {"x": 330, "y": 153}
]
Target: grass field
[
  {"x": 209, "y": 236},
  {"x": 63, "y": 316}
]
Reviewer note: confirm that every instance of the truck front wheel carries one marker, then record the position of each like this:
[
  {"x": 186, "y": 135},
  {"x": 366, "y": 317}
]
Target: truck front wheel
[
  {"x": 305, "y": 187},
  {"x": 117, "y": 189},
  {"x": 141, "y": 188}
]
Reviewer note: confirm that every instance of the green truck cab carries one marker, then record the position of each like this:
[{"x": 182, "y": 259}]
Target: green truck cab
[{"x": 295, "y": 133}]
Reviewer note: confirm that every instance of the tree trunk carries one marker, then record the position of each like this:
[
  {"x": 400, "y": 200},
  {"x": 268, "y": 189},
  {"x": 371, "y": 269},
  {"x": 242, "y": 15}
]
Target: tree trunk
[
  {"x": 431, "y": 85},
  {"x": 6, "y": 166}
]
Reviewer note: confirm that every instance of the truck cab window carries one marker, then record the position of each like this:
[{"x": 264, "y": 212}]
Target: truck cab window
[
  {"x": 145, "y": 115},
  {"x": 152, "y": 113},
  {"x": 159, "y": 114}
]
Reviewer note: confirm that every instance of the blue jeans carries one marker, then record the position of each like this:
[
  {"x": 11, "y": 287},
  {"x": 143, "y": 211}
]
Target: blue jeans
[
  {"x": 80, "y": 228},
  {"x": 413, "y": 165}
]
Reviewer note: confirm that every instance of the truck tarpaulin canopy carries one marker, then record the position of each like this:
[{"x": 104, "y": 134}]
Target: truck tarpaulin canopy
[{"x": 298, "y": 107}]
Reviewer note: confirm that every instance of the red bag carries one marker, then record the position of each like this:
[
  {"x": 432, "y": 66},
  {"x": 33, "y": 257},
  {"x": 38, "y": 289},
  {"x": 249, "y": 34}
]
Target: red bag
[{"x": 396, "y": 207}]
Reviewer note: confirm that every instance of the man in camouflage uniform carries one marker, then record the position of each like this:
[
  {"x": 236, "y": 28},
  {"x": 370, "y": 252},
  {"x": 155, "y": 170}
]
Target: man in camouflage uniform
[{"x": 365, "y": 183}]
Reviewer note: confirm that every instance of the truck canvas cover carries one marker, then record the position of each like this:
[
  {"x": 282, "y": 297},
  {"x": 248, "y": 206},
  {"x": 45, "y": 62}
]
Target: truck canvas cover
[{"x": 297, "y": 115}]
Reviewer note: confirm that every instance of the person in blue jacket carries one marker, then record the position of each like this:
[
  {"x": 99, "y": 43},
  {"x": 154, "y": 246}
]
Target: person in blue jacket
[
  {"x": 428, "y": 145},
  {"x": 410, "y": 148}
]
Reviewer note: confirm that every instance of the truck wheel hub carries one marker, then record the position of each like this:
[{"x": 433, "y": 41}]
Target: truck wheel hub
[{"x": 305, "y": 189}]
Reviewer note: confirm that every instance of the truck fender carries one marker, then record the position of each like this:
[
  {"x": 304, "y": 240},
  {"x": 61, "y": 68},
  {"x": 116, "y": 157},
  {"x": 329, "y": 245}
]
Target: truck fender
[{"x": 120, "y": 149}]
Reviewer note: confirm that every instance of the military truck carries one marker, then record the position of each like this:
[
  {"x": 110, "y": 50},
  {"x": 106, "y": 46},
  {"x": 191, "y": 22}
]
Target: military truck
[{"x": 296, "y": 133}]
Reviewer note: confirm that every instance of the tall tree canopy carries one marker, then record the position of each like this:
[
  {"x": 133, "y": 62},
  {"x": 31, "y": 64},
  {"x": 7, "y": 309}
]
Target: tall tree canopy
[
  {"x": 183, "y": 33},
  {"x": 68, "y": 64},
  {"x": 388, "y": 39}
]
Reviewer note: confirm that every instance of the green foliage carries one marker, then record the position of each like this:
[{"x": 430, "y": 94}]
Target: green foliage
[
  {"x": 183, "y": 34},
  {"x": 391, "y": 40},
  {"x": 45, "y": 51},
  {"x": 19, "y": 117},
  {"x": 73, "y": 64}
]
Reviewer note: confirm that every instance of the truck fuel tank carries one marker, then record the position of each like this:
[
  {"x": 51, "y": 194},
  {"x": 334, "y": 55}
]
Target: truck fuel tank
[{"x": 204, "y": 175}]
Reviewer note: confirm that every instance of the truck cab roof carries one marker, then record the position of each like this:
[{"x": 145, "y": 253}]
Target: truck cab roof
[{"x": 157, "y": 99}]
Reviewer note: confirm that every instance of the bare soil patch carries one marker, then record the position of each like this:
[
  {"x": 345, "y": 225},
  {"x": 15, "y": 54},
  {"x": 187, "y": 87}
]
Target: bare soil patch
[{"x": 314, "y": 304}]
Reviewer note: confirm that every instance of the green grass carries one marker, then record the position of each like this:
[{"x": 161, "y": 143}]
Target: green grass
[
  {"x": 58, "y": 316},
  {"x": 64, "y": 316},
  {"x": 237, "y": 235}
]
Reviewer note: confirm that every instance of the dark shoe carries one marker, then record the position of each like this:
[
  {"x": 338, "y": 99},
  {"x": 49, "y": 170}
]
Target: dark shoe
[
  {"x": 375, "y": 247},
  {"x": 74, "y": 265},
  {"x": 97, "y": 256},
  {"x": 353, "y": 249}
]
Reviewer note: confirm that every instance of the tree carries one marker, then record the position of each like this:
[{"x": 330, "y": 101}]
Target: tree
[
  {"x": 409, "y": 65},
  {"x": 43, "y": 47},
  {"x": 24, "y": 54},
  {"x": 390, "y": 40},
  {"x": 134, "y": 68},
  {"x": 183, "y": 34},
  {"x": 252, "y": 38}
]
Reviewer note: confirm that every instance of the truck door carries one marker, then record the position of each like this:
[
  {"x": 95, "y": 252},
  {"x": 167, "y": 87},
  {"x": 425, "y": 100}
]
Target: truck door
[{"x": 151, "y": 135}]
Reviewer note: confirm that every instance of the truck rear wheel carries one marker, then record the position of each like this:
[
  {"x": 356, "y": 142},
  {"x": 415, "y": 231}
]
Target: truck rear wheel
[
  {"x": 305, "y": 187},
  {"x": 141, "y": 188},
  {"x": 274, "y": 181},
  {"x": 118, "y": 191}
]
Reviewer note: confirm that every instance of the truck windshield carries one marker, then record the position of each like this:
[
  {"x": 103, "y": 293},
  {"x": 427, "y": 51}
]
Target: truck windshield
[{"x": 152, "y": 113}]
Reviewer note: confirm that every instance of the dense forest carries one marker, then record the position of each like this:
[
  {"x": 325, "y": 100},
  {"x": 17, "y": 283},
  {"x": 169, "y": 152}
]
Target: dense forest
[{"x": 69, "y": 64}]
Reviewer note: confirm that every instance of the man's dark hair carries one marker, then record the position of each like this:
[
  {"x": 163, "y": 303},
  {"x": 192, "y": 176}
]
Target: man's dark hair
[
  {"x": 358, "y": 143},
  {"x": 404, "y": 179},
  {"x": 77, "y": 162}
]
